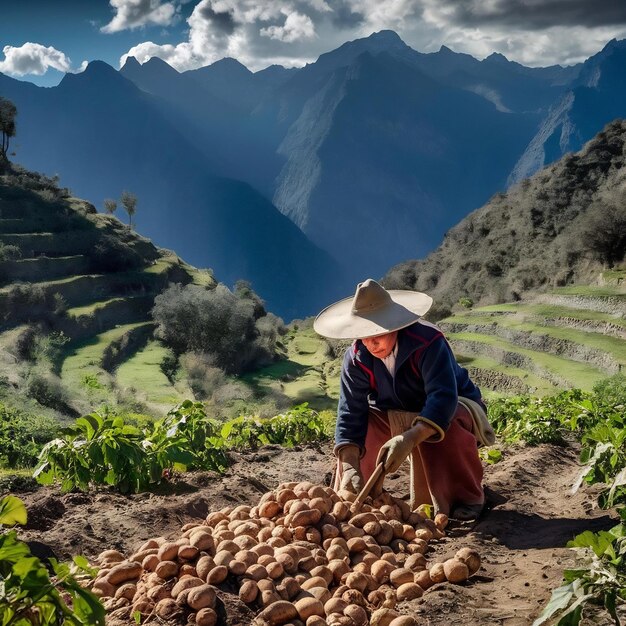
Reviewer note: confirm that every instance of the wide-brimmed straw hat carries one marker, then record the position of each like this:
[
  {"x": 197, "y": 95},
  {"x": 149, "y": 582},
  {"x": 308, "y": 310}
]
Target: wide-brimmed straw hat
[{"x": 371, "y": 311}]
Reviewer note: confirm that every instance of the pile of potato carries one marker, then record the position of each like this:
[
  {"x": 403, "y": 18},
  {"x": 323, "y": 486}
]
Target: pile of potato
[{"x": 302, "y": 556}]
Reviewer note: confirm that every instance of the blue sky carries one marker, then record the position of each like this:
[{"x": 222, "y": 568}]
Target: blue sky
[{"x": 42, "y": 39}]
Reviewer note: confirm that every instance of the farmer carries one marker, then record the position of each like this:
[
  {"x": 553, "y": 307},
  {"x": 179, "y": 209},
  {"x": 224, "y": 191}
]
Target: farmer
[{"x": 403, "y": 394}]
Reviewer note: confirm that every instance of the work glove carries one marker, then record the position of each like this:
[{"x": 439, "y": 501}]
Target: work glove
[
  {"x": 393, "y": 452},
  {"x": 349, "y": 468}
]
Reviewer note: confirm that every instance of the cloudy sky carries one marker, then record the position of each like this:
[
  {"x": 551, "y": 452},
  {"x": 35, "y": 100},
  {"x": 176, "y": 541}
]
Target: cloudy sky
[{"x": 40, "y": 40}]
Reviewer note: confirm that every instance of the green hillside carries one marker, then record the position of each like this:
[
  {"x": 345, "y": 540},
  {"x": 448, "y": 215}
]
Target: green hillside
[
  {"x": 76, "y": 293},
  {"x": 569, "y": 337}
]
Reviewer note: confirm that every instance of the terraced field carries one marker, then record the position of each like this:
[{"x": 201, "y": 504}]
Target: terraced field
[
  {"x": 89, "y": 279},
  {"x": 571, "y": 337}
]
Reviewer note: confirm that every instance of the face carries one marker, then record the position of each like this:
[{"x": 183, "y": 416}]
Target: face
[{"x": 382, "y": 345}]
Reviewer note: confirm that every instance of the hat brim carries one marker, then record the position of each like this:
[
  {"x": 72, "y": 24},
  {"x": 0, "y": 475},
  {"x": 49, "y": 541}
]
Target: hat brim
[{"x": 338, "y": 321}]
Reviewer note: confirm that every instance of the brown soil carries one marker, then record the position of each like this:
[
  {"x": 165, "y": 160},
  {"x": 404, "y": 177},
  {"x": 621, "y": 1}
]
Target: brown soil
[{"x": 521, "y": 536}]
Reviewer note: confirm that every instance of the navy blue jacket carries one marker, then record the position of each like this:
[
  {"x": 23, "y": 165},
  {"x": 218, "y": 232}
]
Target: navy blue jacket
[{"x": 427, "y": 380}]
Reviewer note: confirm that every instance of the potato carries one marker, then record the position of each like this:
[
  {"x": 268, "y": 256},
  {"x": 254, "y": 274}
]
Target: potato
[
  {"x": 266, "y": 559},
  {"x": 335, "y": 605},
  {"x": 217, "y": 575},
  {"x": 110, "y": 556},
  {"x": 189, "y": 582},
  {"x": 204, "y": 565},
  {"x": 346, "y": 495},
  {"x": 148, "y": 545},
  {"x": 338, "y": 567},
  {"x": 201, "y": 597},
  {"x": 203, "y": 540},
  {"x": 124, "y": 572},
  {"x": 437, "y": 574},
  {"x": 386, "y": 533},
  {"x": 316, "y": 620},
  {"x": 357, "y": 580},
  {"x": 404, "y": 620},
  {"x": 168, "y": 551},
  {"x": 224, "y": 557},
  {"x": 262, "y": 548},
  {"x": 356, "y": 544},
  {"x": 168, "y": 609},
  {"x": 415, "y": 562},
  {"x": 278, "y": 613},
  {"x": 381, "y": 570},
  {"x": 321, "y": 504},
  {"x": 287, "y": 562},
  {"x": 158, "y": 593},
  {"x": 206, "y": 617},
  {"x": 256, "y": 572},
  {"x": 269, "y": 509},
  {"x": 308, "y": 517},
  {"x": 166, "y": 569},
  {"x": 471, "y": 558},
  {"x": 315, "y": 581},
  {"x": 409, "y": 591},
  {"x": 248, "y": 591},
  {"x": 383, "y": 617},
  {"x": 274, "y": 570},
  {"x": 455, "y": 570},
  {"x": 353, "y": 596},
  {"x": 269, "y": 597},
  {"x": 441, "y": 521},
  {"x": 289, "y": 587},
  {"x": 237, "y": 567},
  {"x": 401, "y": 576},
  {"x": 104, "y": 589},
  {"x": 265, "y": 584},
  {"x": 150, "y": 562},
  {"x": 309, "y": 606},
  {"x": 143, "y": 605},
  {"x": 424, "y": 580},
  {"x": 188, "y": 553},
  {"x": 341, "y": 511},
  {"x": 357, "y": 614},
  {"x": 285, "y": 495}
]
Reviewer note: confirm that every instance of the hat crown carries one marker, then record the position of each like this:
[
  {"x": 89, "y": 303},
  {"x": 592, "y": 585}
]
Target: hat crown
[{"x": 370, "y": 296}]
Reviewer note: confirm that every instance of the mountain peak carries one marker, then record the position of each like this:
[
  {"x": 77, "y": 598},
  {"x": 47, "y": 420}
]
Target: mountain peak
[
  {"x": 131, "y": 63},
  {"x": 496, "y": 57},
  {"x": 386, "y": 36}
]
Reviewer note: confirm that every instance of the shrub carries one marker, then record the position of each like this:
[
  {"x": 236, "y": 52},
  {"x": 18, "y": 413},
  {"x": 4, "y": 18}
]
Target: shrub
[
  {"x": 9, "y": 252},
  {"x": 218, "y": 323},
  {"x": 22, "y": 436},
  {"x": 49, "y": 391},
  {"x": 111, "y": 255}
]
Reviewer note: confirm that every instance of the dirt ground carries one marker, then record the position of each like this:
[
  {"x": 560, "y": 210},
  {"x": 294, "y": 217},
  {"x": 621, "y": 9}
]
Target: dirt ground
[{"x": 521, "y": 536}]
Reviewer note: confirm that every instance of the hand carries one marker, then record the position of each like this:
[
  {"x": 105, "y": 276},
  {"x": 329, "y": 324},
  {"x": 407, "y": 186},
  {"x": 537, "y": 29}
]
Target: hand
[
  {"x": 351, "y": 479},
  {"x": 349, "y": 468},
  {"x": 397, "y": 449}
]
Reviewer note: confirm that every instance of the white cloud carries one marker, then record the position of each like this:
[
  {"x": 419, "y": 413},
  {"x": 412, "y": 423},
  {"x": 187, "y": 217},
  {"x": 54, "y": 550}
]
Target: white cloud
[
  {"x": 33, "y": 58},
  {"x": 136, "y": 13},
  {"x": 296, "y": 27},
  {"x": 293, "y": 32}
]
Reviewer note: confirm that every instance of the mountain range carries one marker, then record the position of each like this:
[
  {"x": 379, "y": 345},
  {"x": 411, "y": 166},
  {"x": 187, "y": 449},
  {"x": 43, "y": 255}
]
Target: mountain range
[{"x": 304, "y": 181}]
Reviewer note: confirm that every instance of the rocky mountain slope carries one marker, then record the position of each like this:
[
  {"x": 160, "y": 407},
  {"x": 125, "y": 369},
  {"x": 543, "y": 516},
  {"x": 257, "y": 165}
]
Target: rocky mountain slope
[
  {"x": 537, "y": 235},
  {"x": 103, "y": 135}
]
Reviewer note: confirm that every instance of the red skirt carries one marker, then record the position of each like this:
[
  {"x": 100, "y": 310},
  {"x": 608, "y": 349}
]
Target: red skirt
[{"x": 446, "y": 473}]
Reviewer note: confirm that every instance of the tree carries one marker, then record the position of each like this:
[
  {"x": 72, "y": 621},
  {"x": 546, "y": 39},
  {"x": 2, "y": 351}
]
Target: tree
[
  {"x": 8, "y": 111},
  {"x": 604, "y": 230},
  {"x": 129, "y": 202},
  {"x": 110, "y": 206}
]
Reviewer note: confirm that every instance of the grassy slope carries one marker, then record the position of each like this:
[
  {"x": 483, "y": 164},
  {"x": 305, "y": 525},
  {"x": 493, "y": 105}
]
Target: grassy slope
[
  {"x": 541, "y": 320},
  {"x": 141, "y": 372},
  {"x": 308, "y": 374}
]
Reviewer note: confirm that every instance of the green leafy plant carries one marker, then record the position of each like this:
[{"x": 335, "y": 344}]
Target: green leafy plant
[
  {"x": 600, "y": 580},
  {"x": 107, "y": 450},
  {"x": 28, "y": 596},
  {"x": 104, "y": 449}
]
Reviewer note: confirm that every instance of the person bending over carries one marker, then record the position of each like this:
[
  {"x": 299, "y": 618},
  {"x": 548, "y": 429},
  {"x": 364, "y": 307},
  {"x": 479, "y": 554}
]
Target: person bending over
[{"x": 403, "y": 394}]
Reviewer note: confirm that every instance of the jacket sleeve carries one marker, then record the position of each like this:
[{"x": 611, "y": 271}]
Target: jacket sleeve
[
  {"x": 437, "y": 369},
  {"x": 353, "y": 405}
]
